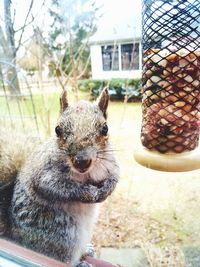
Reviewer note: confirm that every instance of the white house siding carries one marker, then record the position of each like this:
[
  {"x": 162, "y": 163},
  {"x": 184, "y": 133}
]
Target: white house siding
[
  {"x": 97, "y": 65},
  {"x": 96, "y": 61}
]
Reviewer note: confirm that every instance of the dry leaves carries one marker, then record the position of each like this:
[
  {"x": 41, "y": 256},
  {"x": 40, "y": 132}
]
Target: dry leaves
[{"x": 121, "y": 225}]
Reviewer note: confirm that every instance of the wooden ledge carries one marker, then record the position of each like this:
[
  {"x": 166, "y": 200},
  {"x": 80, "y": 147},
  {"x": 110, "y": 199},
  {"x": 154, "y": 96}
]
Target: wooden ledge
[
  {"x": 24, "y": 256},
  {"x": 27, "y": 257}
]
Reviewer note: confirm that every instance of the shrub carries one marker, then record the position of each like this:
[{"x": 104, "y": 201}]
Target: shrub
[
  {"x": 118, "y": 88},
  {"x": 89, "y": 85}
]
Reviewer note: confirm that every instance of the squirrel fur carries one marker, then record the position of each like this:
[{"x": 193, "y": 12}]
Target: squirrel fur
[{"x": 52, "y": 207}]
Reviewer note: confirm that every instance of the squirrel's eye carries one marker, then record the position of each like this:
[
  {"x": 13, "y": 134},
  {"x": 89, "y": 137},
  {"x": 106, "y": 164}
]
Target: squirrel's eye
[
  {"x": 58, "y": 131},
  {"x": 104, "y": 129}
]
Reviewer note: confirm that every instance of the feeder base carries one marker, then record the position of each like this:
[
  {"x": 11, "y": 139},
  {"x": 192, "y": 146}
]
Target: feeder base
[{"x": 169, "y": 162}]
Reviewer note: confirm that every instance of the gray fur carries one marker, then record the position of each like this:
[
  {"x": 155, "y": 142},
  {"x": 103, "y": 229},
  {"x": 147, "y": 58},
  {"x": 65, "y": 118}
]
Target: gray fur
[{"x": 54, "y": 207}]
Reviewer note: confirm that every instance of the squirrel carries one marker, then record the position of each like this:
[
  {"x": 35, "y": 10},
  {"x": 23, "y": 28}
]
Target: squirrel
[{"x": 52, "y": 204}]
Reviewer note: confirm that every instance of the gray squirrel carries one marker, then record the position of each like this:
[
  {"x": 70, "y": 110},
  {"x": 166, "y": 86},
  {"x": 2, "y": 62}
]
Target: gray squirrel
[{"x": 52, "y": 207}]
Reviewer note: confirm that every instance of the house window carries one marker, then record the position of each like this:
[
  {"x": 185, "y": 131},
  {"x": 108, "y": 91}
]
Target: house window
[
  {"x": 120, "y": 57},
  {"x": 130, "y": 56},
  {"x": 110, "y": 57}
]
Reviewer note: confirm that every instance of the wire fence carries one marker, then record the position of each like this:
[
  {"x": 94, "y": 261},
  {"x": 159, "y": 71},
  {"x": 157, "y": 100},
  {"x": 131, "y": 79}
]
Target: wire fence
[{"x": 17, "y": 107}]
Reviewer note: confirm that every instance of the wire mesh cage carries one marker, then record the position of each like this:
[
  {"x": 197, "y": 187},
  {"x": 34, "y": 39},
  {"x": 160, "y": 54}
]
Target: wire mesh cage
[{"x": 171, "y": 75}]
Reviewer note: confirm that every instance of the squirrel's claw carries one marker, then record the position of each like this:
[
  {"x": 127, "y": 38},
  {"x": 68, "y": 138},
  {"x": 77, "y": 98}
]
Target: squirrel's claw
[
  {"x": 91, "y": 193},
  {"x": 84, "y": 264},
  {"x": 89, "y": 251}
]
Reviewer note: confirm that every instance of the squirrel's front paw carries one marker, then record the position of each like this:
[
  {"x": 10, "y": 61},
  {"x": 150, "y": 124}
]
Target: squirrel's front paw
[
  {"x": 88, "y": 193},
  {"x": 84, "y": 264},
  {"x": 89, "y": 251}
]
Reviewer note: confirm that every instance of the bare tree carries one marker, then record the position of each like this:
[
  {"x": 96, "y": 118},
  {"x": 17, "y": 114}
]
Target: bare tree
[
  {"x": 13, "y": 44},
  {"x": 71, "y": 59},
  {"x": 10, "y": 52}
]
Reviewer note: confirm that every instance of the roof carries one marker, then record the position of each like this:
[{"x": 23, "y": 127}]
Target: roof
[{"x": 124, "y": 28}]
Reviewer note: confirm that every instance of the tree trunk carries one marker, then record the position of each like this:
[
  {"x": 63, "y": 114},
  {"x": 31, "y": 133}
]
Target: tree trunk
[{"x": 12, "y": 78}]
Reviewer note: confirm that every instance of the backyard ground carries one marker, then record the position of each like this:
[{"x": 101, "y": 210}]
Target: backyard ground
[{"x": 157, "y": 211}]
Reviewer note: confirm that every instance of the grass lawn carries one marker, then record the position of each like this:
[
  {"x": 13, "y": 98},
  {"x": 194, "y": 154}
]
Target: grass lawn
[{"x": 158, "y": 211}]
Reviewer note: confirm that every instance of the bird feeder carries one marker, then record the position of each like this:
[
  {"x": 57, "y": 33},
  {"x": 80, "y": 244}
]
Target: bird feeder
[{"x": 171, "y": 85}]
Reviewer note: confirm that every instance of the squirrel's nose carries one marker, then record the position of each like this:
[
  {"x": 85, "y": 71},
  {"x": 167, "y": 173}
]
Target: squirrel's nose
[{"x": 81, "y": 163}]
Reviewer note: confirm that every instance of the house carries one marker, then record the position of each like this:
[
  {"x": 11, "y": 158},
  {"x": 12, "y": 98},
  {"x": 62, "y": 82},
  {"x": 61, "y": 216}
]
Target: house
[{"x": 116, "y": 50}]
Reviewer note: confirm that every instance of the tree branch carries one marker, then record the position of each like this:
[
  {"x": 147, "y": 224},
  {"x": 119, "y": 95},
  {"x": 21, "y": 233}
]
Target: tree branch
[
  {"x": 33, "y": 18},
  {"x": 14, "y": 15},
  {"x": 85, "y": 68},
  {"x": 3, "y": 42},
  {"x": 23, "y": 28}
]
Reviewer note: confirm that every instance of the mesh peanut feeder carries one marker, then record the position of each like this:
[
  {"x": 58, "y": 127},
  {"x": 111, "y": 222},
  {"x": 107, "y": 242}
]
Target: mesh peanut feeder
[{"x": 171, "y": 85}]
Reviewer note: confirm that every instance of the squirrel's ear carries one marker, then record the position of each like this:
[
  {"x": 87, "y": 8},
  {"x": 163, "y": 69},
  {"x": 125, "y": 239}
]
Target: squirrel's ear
[
  {"x": 63, "y": 101},
  {"x": 103, "y": 100}
]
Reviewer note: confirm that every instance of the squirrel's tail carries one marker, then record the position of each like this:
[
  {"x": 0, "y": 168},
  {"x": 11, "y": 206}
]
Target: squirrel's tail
[{"x": 14, "y": 149}]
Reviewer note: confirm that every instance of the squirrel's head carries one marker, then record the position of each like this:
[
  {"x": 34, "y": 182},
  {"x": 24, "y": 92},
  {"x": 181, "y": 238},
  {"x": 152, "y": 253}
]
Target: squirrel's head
[{"x": 82, "y": 132}]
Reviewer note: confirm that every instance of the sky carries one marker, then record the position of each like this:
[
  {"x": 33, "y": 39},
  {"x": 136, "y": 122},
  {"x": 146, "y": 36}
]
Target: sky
[
  {"x": 117, "y": 16},
  {"x": 121, "y": 19},
  {"x": 113, "y": 11},
  {"x": 118, "y": 11}
]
